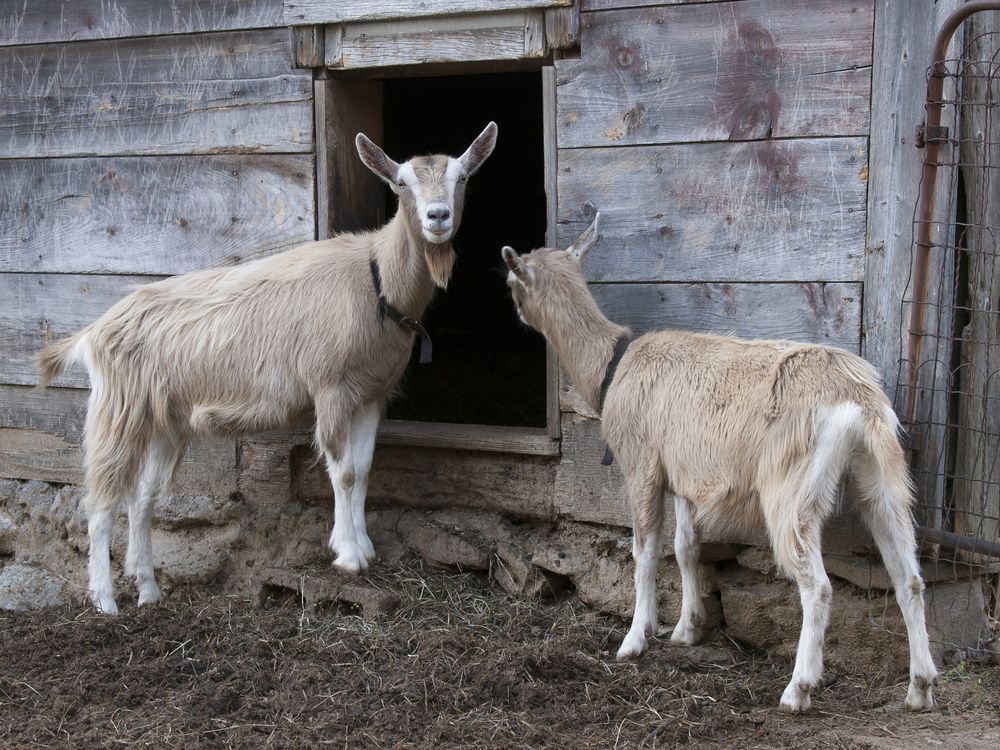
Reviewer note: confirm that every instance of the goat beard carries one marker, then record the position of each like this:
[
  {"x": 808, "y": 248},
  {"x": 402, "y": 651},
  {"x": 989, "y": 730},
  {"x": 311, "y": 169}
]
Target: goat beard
[{"x": 440, "y": 262}]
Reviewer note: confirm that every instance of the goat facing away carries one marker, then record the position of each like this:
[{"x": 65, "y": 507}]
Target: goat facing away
[
  {"x": 737, "y": 433},
  {"x": 234, "y": 351}
]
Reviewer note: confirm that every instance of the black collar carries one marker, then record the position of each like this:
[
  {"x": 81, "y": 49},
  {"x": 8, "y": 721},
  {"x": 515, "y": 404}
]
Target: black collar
[
  {"x": 621, "y": 346},
  {"x": 411, "y": 325}
]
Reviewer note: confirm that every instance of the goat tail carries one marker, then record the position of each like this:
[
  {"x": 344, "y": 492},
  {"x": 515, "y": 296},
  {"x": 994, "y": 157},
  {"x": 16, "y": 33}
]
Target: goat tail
[
  {"x": 884, "y": 482},
  {"x": 55, "y": 358}
]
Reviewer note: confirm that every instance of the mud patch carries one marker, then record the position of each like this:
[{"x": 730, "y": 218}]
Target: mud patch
[{"x": 459, "y": 664}]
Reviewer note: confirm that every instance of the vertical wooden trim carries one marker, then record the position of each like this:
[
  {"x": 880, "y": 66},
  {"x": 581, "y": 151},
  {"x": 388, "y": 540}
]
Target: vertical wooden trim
[
  {"x": 348, "y": 197},
  {"x": 534, "y": 34},
  {"x": 321, "y": 95},
  {"x": 306, "y": 46},
  {"x": 902, "y": 50},
  {"x": 562, "y": 27},
  {"x": 551, "y": 154}
]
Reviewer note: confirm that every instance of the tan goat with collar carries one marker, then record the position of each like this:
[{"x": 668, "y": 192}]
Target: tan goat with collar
[
  {"x": 234, "y": 351},
  {"x": 739, "y": 434}
]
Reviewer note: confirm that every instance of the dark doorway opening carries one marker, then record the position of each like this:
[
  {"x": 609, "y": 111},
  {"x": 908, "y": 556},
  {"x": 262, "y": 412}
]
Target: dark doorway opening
[{"x": 488, "y": 368}]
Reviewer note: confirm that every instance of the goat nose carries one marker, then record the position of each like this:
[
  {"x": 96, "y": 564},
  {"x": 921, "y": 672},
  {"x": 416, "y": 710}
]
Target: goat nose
[{"x": 438, "y": 213}]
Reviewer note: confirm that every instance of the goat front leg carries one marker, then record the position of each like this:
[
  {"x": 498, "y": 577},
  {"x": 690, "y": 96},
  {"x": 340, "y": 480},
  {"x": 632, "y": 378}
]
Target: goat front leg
[
  {"x": 333, "y": 417},
  {"x": 646, "y": 501},
  {"x": 364, "y": 426},
  {"x": 687, "y": 547}
]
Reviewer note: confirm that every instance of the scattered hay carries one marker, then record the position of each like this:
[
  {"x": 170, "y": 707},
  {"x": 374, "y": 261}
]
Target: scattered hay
[{"x": 459, "y": 664}]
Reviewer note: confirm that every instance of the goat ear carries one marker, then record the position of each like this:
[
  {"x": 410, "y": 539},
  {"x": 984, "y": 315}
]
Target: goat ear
[
  {"x": 376, "y": 160},
  {"x": 517, "y": 266},
  {"x": 585, "y": 241},
  {"x": 480, "y": 149}
]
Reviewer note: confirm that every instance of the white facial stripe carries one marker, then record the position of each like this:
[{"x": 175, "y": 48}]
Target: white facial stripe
[
  {"x": 451, "y": 176},
  {"x": 407, "y": 174}
]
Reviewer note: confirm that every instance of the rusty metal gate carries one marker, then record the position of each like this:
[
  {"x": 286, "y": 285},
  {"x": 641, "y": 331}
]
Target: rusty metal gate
[{"x": 949, "y": 385}]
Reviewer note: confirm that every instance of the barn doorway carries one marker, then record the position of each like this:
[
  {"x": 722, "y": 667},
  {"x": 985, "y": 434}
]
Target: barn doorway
[{"x": 488, "y": 369}]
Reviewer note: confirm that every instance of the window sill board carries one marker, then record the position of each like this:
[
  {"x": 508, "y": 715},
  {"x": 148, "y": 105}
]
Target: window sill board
[{"x": 533, "y": 441}]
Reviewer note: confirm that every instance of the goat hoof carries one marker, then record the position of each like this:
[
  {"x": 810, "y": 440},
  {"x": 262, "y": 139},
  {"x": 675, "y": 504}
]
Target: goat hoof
[
  {"x": 795, "y": 699},
  {"x": 685, "y": 634},
  {"x": 105, "y": 604},
  {"x": 350, "y": 559},
  {"x": 149, "y": 596},
  {"x": 919, "y": 698},
  {"x": 632, "y": 648},
  {"x": 367, "y": 548}
]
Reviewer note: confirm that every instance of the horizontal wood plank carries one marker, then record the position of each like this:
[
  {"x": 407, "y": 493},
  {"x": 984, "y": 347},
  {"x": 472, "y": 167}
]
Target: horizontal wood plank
[
  {"x": 592, "y": 5},
  {"x": 41, "y": 308},
  {"x": 74, "y": 20},
  {"x": 203, "y": 93},
  {"x": 473, "y": 437},
  {"x": 40, "y": 434},
  {"x": 760, "y": 211},
  {"x": 721, "y": 71},
  {"x": 322, "y": 11},
  {"x": 433, "y": 478},
  {"x": 162, "y": 215},
  {"x": 502, "y": 36},
  {"x": 820, "y": 313}
]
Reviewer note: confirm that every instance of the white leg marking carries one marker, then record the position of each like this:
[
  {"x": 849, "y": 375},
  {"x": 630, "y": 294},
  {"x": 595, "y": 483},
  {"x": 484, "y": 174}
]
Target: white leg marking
[
  {"x": 364, "y": 426},
  {"x": 647, "y": 557},
  {"x": 102, "y": 589},
  {"x": 816, "y": 594},
  {"x": 895, "y": 541},
  {"x": 350, "y": 558},
  {"x": 686, "y": 547},
  {"x": 154, "y": 483}
]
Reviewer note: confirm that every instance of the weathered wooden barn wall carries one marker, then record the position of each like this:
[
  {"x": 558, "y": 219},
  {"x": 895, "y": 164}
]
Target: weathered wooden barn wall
[
  {"x": 186, "y": 145},
  {"x": 726, "y": 145}
]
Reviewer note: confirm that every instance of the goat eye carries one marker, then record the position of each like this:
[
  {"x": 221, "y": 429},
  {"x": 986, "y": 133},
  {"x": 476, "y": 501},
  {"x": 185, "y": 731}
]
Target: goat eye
[
  {"x": 463, "y": 178},
  {"x": 401, "y": 183}
]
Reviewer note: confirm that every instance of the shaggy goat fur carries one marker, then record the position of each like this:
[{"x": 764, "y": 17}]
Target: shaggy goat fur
[
  {"x": 738, "y": 434},
  {"x": 234, "y": 351}
]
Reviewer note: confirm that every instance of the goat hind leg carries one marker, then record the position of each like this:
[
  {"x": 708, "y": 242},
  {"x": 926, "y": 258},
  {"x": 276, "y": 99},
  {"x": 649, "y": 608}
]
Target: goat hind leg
[
  {"x": 887, "y": 514},
  {"x": 161, "y": 460},
  {"x": 816, "y": 595},
  {"x": 646, "y": 500},
  {"x": 100, "y": 522},
  {"x": 686, "y": 547}
]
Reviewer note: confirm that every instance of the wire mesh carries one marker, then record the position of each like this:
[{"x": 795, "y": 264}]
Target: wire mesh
[{"x": 949, "y": 378}]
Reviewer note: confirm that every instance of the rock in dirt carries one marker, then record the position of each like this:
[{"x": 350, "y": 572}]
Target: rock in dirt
[
  {"x": 24, "y": 587},
  {"x": 8, "y": 533},
  {"x": 599, "y": 563},
  {"x": 437, "y": 544},
  {"x": 315, "y": 589},
  {"x": 514, "y": 572}
]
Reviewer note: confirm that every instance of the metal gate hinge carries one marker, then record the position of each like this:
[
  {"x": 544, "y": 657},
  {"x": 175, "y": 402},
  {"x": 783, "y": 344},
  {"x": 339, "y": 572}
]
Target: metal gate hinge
[{"x": 935, "y": 134}]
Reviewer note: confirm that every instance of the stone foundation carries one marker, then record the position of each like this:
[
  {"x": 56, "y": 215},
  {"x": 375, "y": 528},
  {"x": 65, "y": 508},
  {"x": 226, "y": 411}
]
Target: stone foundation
[{"x": 252, "y": 548}]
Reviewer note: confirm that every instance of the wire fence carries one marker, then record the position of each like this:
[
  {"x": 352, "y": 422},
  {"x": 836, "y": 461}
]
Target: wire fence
[{"x": 949, "y": 384}]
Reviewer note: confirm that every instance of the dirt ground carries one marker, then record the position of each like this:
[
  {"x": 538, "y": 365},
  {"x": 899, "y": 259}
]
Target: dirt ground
[{"x": 460, "y": 664}]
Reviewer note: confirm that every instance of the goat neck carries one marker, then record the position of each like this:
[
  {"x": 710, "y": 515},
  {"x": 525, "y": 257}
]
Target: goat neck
[
  {"x": 403, "y": 257},
  {"x": 585, "y": 341}
]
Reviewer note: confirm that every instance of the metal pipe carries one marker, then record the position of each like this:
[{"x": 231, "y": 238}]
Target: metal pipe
[
  {"x": 959, "y": 541},
  {"x": 928, "y": 183}
]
